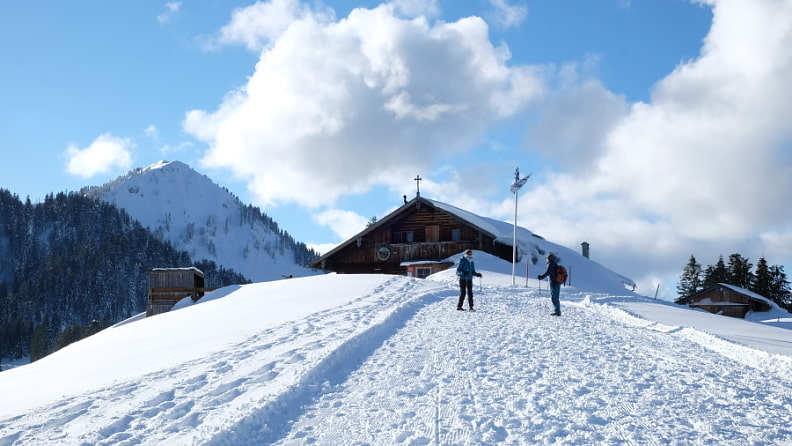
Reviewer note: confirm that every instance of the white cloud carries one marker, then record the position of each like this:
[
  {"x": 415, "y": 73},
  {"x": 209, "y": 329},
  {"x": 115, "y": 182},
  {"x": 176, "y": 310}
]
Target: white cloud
[
  {"x": 103, "y": 155},
  {"x": 335, "y": 108},
  {"x": 171, "y": 9},
  {"x": 257, "y": 25},
  {"x": 344, "y": 223},
  {"x": 416, "y": 8},
  {"x": 508, "y": 16},
  {"x": 151, "y": 131},
  {"x": 705, "y": 167},
  {"x": 575, "y": 123}
]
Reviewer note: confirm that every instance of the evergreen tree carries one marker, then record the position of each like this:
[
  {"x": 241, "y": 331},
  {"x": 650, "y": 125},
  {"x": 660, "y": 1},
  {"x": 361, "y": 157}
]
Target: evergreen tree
[
  {"x": 763, "y": 280},
  {"x": 714, "y": 275},
  {"x": 779, "y": 287},
  {"x": 740, "y": 271},
  {"x": 39, "y": 346},
  {"x": 690, "y": 281}
]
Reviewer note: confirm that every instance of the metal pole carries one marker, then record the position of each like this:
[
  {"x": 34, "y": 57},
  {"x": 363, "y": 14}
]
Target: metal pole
[
  {"x": 514, "y": 239},
  {"x": 515, "y": 188}
]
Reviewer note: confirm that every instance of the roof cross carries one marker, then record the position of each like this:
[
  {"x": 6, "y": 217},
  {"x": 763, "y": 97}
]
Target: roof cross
[{"x": 418, "y": 185}]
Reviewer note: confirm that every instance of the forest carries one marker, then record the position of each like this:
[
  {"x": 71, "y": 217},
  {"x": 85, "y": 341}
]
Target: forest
[{"x": 71, "y": 266}]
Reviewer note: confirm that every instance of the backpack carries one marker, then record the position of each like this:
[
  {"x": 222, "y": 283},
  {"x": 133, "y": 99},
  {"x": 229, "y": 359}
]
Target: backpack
[{"x": 561, "y": 274}]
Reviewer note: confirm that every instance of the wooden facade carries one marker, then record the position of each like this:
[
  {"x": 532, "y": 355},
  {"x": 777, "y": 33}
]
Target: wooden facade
[
  {"x": 727, "y": 300},
  {"x": 418, "y": 233},
  {"x": 170, "y": 285}
]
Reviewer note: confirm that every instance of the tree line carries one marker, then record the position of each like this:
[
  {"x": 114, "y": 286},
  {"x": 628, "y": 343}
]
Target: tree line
[
  {"x": 765, "y": 280},
  {"x": 71, "y": 266}
]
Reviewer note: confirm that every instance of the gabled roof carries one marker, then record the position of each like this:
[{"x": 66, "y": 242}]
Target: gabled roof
[
  {"x": 747, "y": 293},
  {"x": 472, "y": 220}
]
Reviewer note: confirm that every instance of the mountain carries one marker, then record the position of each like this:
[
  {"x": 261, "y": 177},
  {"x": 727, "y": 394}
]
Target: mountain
[
  {"x": 387, "y": 360},
  {"x": 72, "y": 265},
  {"x": 198, "y": 216}
]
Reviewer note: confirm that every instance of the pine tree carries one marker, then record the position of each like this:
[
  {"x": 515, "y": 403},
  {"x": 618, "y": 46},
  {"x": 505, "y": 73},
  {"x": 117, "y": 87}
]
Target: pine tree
[
  {"x": 690, "y": 281},
  {"x": 740, "y": 271},
  {"x": 763, "y": 280},
  {"x": 714, "y": 275},
  {"x": 779, "y": 287}
]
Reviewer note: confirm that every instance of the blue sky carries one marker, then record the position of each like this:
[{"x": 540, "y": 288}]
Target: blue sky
[{"x": 654, "y": 129}]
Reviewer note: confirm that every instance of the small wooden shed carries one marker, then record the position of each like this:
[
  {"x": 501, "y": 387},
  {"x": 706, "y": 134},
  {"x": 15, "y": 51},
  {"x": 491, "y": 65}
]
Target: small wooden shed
[
  {"x": 170, "y": 285},
  {"x": 728, "y": 300}
]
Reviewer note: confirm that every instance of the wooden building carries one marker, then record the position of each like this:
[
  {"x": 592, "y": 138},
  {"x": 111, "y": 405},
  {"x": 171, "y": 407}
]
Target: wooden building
[
  {"x": 728, "y": 300},
  {"x": 417, "y": 239},
  {"x": 170, "y": 285}
]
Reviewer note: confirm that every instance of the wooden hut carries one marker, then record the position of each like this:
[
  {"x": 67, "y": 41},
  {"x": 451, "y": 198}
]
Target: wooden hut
[
  {"x": 170, "y": 285},
  {"x": 416, "y": 238},
  {"x": 728, "y": 300}
]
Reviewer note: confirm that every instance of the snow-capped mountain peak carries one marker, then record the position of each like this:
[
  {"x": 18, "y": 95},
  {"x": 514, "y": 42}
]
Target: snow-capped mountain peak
[{"x": 196, "y": 215}]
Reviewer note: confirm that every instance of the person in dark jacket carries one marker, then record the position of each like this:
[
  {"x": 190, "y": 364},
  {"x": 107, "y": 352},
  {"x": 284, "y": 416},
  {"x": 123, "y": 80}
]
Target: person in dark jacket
[
  {"x": 555, "y": 287},
  {"x": 466, "y": 270}
]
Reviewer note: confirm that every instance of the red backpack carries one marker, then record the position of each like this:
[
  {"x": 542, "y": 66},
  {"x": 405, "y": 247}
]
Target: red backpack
[{"x": 561, "y": 274}]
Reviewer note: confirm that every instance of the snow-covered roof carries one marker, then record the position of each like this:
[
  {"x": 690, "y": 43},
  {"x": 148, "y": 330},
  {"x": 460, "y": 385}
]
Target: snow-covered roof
[
  {"x": 190, "y": 268},
  {"x": 748, "y": 293},
  {"x": 531, "y": 247}
]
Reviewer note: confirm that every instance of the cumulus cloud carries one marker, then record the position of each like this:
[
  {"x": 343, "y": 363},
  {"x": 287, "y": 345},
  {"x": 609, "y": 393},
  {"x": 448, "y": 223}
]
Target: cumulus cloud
[
  {"x": 704, "y": 166},
  {"x": 707, "y": 152},
  {"x": 103, "y": 155},
  {"x": 575, "y": 124},
  {"x": 344, "y": 223},
  {"x": 257, "y": 25},
  {"x": 416, "y": 8},
  {"x": 336, "y": 107}
]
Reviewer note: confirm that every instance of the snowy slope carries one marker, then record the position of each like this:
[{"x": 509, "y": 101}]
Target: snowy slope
[
  {"x": 386, "y": 360},
  {"x": 200, "y": 217},
  {"x": 583, "y": 272}
]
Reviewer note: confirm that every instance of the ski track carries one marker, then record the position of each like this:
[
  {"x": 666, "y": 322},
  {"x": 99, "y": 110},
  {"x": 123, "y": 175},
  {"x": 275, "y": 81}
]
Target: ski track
[
  {"x": 411, "y": 370},
  {"x": 512, "y": 374}
]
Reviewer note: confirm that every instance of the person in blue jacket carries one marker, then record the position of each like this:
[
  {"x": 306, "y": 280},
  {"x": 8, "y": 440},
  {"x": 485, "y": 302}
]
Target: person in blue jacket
[
  {"x": 555, "y": 287},
  {"x": 466, "y": 270}
]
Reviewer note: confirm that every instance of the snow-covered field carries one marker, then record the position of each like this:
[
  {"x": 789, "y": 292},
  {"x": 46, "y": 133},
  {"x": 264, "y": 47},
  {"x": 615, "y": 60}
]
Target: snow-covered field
[{"x": 387, "y": 360}]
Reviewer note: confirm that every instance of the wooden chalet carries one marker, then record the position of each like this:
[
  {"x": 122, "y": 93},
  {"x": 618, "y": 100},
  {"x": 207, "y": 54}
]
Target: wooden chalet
[
  {"x": 170, "y": 285},
  {"x": 728, "y": 300},
  {"x": 416, "y": 239}
]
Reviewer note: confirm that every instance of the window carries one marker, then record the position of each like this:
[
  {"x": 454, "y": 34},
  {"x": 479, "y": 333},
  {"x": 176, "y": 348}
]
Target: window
[
  {"x": 422, "y": 272},
  {"x": 409, "y": 236},
  {"x": 456, "y": 235}
]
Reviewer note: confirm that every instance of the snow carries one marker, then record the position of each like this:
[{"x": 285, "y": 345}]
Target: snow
[
  {"x": 585, "y": 272},
  {"x": 196, "y": 215},
  {"x": 387, "y": 360}
]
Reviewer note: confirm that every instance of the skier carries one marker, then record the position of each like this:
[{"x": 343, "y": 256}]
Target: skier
[
  {"x": 465, "y": 271},
  {"x": 555, "y": 286}
]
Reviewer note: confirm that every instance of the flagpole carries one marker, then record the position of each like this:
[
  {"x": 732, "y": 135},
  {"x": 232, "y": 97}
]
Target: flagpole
[
  {"x": 514, "y": 237},
  {"x": 515, "y": 188}
]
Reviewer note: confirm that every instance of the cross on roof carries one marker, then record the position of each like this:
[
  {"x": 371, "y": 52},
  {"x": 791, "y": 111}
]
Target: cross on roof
[{"x": 418, "y": 185}]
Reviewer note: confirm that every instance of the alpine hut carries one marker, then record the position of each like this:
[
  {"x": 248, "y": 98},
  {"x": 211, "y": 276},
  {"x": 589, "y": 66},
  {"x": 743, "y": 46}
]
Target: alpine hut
[
  {"x": 416, "y": 239},
  {"x": 725, "y": 299}
]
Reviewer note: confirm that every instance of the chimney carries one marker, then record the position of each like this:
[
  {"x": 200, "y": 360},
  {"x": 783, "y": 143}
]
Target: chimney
[{"x": 585, "y": 246}]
